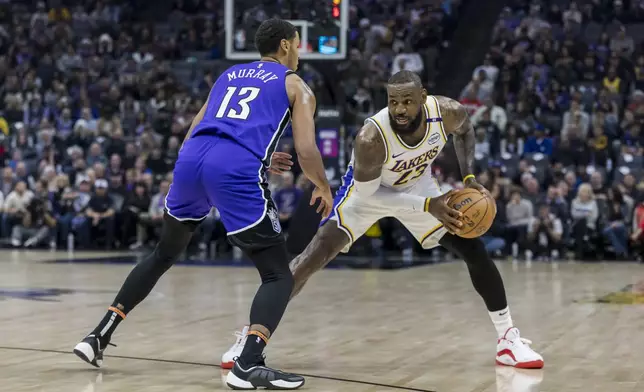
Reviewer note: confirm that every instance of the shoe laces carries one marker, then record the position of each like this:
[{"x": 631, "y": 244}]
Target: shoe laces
[
  {"x": 239, "y": 337},
  {"x": 261, "y": 360}
]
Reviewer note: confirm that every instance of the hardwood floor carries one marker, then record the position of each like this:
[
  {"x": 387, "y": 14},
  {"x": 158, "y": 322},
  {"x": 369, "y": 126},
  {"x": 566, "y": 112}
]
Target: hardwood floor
[{"x": 416, "y": 329}]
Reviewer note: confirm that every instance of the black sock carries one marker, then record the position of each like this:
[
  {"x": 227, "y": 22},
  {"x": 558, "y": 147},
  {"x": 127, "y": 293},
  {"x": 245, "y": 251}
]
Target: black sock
[
  {"x": 175, "y": 237},
  {"x": 252, "y": 353},
  {"x": 107, "y": 326}
]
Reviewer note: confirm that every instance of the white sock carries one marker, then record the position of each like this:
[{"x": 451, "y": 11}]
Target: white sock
[{"x": 502, "y": 321}]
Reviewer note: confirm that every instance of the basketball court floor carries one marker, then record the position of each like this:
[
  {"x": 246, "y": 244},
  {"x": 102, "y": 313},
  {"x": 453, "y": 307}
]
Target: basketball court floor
[{"x": 415, "y": 329}]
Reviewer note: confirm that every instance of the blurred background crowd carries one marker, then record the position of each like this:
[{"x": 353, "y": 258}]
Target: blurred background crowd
[{"x": 97, "y": 95}]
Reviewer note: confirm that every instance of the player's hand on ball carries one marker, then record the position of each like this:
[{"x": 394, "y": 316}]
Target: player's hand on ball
[
  {"x": 326, "y": 201},
  {"x": 447, "y": 215},
  {"x": 472, "y": 183},
  {"x": 280, "y": 163}
]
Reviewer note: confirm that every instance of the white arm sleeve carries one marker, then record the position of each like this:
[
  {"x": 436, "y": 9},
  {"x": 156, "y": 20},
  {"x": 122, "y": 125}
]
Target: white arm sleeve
[{"x": 366, "y": 188}]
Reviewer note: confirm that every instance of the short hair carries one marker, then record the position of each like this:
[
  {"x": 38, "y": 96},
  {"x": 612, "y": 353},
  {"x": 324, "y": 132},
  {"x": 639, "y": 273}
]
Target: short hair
[
  {"x": 270, "y": 33},
  {"x": 404, "y": 77}
]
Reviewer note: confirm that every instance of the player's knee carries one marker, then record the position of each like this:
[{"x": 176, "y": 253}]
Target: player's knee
[
  {"x": 471, "y": 250},
  {"x": 474, "y": 252},
  {"x": 275, "y": 270}
]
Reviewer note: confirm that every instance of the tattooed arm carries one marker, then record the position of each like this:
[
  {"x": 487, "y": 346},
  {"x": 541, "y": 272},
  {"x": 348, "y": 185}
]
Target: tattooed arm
[
  {"x": 457, "y": 122},
  {"x": 370, "y": 153}
]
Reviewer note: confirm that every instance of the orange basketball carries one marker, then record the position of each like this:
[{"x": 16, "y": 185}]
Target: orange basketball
[{"x": 478, "y": 212}]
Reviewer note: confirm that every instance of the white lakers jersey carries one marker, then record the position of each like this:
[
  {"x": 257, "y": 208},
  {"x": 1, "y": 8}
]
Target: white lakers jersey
[{"x": 406, "y": 165}]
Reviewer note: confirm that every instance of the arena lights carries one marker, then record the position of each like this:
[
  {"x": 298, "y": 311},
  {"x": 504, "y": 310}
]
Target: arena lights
[{"x": 335, "y": 12}]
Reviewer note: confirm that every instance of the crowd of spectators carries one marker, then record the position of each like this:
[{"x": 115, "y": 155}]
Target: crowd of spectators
[
  {"x": 94, "y": 106},
  {"x": 558, "y": 109},
  {"x": 94, "y": 112},
  {"x": 92, "y": 119}
]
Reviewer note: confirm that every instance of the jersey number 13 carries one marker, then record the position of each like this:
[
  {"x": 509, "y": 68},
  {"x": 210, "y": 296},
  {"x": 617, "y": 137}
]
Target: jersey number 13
[{"x": 244, "y": 96}]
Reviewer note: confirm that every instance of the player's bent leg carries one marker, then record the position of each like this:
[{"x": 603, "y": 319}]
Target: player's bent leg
[
  {"x": 265, "y": 245},
  {"x": 512, "y": 350},
  {"x": 327, "y": 243},
  {"x": 175, "y": 237}
]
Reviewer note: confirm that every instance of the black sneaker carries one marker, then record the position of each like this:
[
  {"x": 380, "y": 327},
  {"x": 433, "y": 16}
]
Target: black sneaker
[
  {"x": 90, "y": 351},
  {"x": 260, "y": 376}
]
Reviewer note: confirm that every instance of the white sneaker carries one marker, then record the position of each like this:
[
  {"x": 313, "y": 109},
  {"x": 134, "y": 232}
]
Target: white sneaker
[
  {"x": 512, "y": 350},
  {"x": 228, "y": 359}
]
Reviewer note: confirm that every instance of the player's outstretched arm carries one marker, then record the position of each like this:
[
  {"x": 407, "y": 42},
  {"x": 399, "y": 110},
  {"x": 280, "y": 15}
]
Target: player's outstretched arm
[
  {"x": 457, "y": 122},
  {"x": 303, "y": 103}
]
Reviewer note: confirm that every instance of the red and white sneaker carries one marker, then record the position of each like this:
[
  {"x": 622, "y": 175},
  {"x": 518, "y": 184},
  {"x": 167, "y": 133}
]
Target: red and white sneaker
[
  {"x": 228, "y": 359},
  {"x": 512, "y": 350}
]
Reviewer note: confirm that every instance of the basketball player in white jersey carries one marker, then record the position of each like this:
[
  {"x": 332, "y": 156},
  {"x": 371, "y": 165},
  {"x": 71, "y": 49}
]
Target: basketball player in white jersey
[{"x": 390, "y": 176}]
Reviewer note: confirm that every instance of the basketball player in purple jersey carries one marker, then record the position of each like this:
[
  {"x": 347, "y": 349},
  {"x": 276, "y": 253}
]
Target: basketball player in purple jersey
[{"x": 222, "y": 163}]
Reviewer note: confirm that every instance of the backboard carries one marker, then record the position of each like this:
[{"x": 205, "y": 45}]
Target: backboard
[{"x": 322, "y": 24}]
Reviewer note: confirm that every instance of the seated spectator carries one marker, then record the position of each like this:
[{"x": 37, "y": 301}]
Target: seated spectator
[
  {"x": 556, "y": 202},
  {"x": 637, "y": 237},
  {"x": 639, "y": 73},
  {"x": 575, "y": 117},
  {"x": 538, "y": 69},
  {"x": 211, "y": 229},
  {"x": 589, "y": 70},
  {"x": 512, "y": 143},
  {"x": 493, "y": 239},
  {"x": 584, "y": 213},
  {"x": 136, "y": 204},
  {"x": 599, "y": 148},
  {"x": 606, "y": 113},
  {"x": 287, "y": 199},
  {"x": 15, "y": 206},
  {"x": 615, "y": 229},
  {"x": 408, "y": 60},
  {"x": 35, "y": 225},
  {"x": 519, "y": 213},
  {"x": 492, "y": 131},
  {"x": 482, "y": 144},
  {"x": 633, "y": 141},
  {"x": 630, "y": 187},
  {"x": 545, "y": 234},
  {"x": 539, "y": 143},
  {"x": 7, "y": 182},
  {"x": 496, "y": 115},
  {"x": 598, "y": 185},
  {"x": 152, "y": 218},
  {"x": 531, "y": 189},
  {"x": 99, "y": 216},
  {"x": 622, "y": 43},
  {"x": 469, "y": 97}
]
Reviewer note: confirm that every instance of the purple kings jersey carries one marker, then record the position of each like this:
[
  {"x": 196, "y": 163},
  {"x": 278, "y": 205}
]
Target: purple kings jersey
[{"x": 249, "y": 105}]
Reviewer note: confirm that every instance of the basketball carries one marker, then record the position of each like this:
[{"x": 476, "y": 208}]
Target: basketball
[{"x": 478, "y": 212}]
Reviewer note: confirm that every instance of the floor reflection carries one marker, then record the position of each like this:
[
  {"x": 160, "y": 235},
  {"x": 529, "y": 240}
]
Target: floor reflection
[{"x": 509, "y": 379}]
